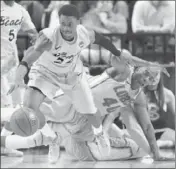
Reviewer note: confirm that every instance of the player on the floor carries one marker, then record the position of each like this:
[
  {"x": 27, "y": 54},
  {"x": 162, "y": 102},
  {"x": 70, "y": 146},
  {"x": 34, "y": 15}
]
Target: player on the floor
[
  {"x": 13, "y": 18},
  {"x": 161, "y": 107},
  {"x": 58, "y": 65}
]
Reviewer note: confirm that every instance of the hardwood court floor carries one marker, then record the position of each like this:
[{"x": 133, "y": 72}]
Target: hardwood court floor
[{"x": 37, "y": 158}]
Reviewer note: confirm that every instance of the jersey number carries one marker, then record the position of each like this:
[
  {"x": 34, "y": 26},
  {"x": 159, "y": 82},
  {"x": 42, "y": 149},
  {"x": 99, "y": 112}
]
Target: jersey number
[
  {"x": 108, "y": 102},
  {"x": 11, "y": 35}
]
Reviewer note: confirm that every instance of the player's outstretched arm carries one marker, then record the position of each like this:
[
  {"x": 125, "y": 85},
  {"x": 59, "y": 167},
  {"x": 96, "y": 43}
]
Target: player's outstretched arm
[
  {"x": 140, "y": 110},
  {"x": 109, "y": 119},
  {"x": 43, "y": 43}
]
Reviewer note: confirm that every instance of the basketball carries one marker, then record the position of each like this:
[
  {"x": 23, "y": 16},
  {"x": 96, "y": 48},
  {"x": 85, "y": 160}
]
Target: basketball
[{"x": 24, "y": 122}]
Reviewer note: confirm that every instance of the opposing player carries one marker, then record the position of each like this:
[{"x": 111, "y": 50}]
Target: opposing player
[
  {"x": 161, "y": 107},
  {"x": 13, "y": 18},
  {"x": 58, "y": 65}
]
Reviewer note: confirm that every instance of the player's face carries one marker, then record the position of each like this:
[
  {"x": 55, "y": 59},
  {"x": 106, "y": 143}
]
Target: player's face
[
  {"x": 68, "y": 25},
  {"x": 142, "y": 78}
]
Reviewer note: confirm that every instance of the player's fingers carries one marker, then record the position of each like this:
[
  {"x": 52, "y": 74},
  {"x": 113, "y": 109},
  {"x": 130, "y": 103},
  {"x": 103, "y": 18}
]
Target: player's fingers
[{"x": 164, "y": 70}]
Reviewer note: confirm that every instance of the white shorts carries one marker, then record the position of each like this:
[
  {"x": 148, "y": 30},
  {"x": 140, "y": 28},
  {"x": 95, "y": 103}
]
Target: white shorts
[
  {"x": 73, "y": 84},
  {"x": 6, "y": 80}
]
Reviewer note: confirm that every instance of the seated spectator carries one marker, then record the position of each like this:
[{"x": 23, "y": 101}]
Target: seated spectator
[
  {"x": 91, "y": 19},
  {"x": 121, "y": 7},
  {"x": 115, "y": 22},
  {"x": 35, "y": 10},
  {"x": 102, "y": 19},
  {"x": 53, "y": 9},
  {"x": 154, "y": 16}
]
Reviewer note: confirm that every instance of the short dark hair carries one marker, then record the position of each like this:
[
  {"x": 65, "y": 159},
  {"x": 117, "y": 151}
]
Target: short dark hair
[{"x": 69, "y": 10}]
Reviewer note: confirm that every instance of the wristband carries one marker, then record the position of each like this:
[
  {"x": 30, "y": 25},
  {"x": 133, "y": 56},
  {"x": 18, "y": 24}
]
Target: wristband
[{"x": 24, "y": 64}]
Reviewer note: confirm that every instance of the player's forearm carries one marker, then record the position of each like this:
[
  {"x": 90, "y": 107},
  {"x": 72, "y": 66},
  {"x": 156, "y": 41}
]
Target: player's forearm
[
  {"x": 108, "y": 122},
  {"x": 144, "y": 120},
  {"x": 31, "y": 55},
  {"x": 107, "y": 44},
  {"x": 32, "y": 33},
  {"x": 139, "y": 62},
  {"x": 150, "y": 135}
]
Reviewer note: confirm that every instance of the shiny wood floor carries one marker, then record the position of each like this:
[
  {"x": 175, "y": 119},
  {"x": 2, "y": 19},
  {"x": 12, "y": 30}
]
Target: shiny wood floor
[{"x": 37, "y": 158}]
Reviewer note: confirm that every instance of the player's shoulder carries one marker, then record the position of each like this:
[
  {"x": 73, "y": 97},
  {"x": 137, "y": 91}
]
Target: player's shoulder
[
  {"x": 17, "y": 5},
  {"x": 48, "y": 32}
]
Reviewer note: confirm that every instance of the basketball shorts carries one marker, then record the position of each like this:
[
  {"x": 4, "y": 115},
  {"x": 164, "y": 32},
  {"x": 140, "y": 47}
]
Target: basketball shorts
[
  {"x": 6, "y": 80},
  {"x": 73, "y": 84}
]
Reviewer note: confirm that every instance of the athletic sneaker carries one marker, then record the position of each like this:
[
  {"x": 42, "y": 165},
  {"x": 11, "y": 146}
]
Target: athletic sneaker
[
  {"x": 11, "y": 152},
  {"x": 103, "y": 144},
  {"x": 54, "y": 150}
]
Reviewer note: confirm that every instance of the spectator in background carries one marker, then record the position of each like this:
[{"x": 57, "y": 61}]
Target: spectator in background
[
  {"x": 154, "y": 16},
  {"x": 91, "y": 19},
  {"x": 53, "y": 10},
  {"x": 35, "y": 10},
  {"x": 121, "y": 7},
  {"x": 113, "y": 19}
]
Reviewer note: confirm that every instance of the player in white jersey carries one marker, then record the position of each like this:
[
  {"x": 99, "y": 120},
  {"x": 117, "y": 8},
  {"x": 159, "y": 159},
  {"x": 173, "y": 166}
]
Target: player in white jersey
[
  {"x": 13, "y": 18},
  {"x": 58, "y": 65}
]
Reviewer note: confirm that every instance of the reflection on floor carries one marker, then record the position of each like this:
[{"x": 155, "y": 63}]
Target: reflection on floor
[{"x": 37, "y": 158}]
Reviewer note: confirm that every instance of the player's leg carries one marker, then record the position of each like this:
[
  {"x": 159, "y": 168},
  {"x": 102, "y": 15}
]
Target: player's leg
[
  {"x": 6, "y": 101},
  {"x": 119, "y": 139},
  {"x": 84, "y": 103},
  {"x": 167, "y": 139},
  {"x": 135, "y": 129},
  {"x": 32, "y": 99},
  {"x": 78, "y": 149}
]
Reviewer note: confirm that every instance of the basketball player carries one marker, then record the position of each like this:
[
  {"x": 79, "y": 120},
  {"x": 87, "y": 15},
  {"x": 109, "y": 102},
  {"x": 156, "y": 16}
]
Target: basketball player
[
  {"x": 13, "y": 18},
  {"x": 58, "y": 65},
  {"x": 161, "y": 107}
]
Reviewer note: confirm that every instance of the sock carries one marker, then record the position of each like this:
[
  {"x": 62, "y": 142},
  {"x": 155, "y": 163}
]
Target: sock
[
  {"x": 17, "y": 142},
  {"x": 5, "y": 132},
  {"x": 97, "y": 130}
]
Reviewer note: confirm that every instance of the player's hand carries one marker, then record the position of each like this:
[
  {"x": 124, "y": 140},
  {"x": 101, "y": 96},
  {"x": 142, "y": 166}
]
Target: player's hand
[
  {"x": 127, "y": 57},
  {"x": 19, "y": 79}
]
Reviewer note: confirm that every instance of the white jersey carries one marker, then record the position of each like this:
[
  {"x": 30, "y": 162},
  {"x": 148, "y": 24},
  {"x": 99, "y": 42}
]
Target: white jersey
[
  {"x": 63, "y": 56},
  {"x": 13, "y": 18}
]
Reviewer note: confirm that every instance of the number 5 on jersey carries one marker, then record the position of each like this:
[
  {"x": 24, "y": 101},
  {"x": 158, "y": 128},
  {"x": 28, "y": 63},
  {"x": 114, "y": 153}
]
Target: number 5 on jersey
[{"x": 11, "y": 35}]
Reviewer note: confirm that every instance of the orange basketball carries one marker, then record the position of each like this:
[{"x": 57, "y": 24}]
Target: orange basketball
[{"x": 24, "y": 122}]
